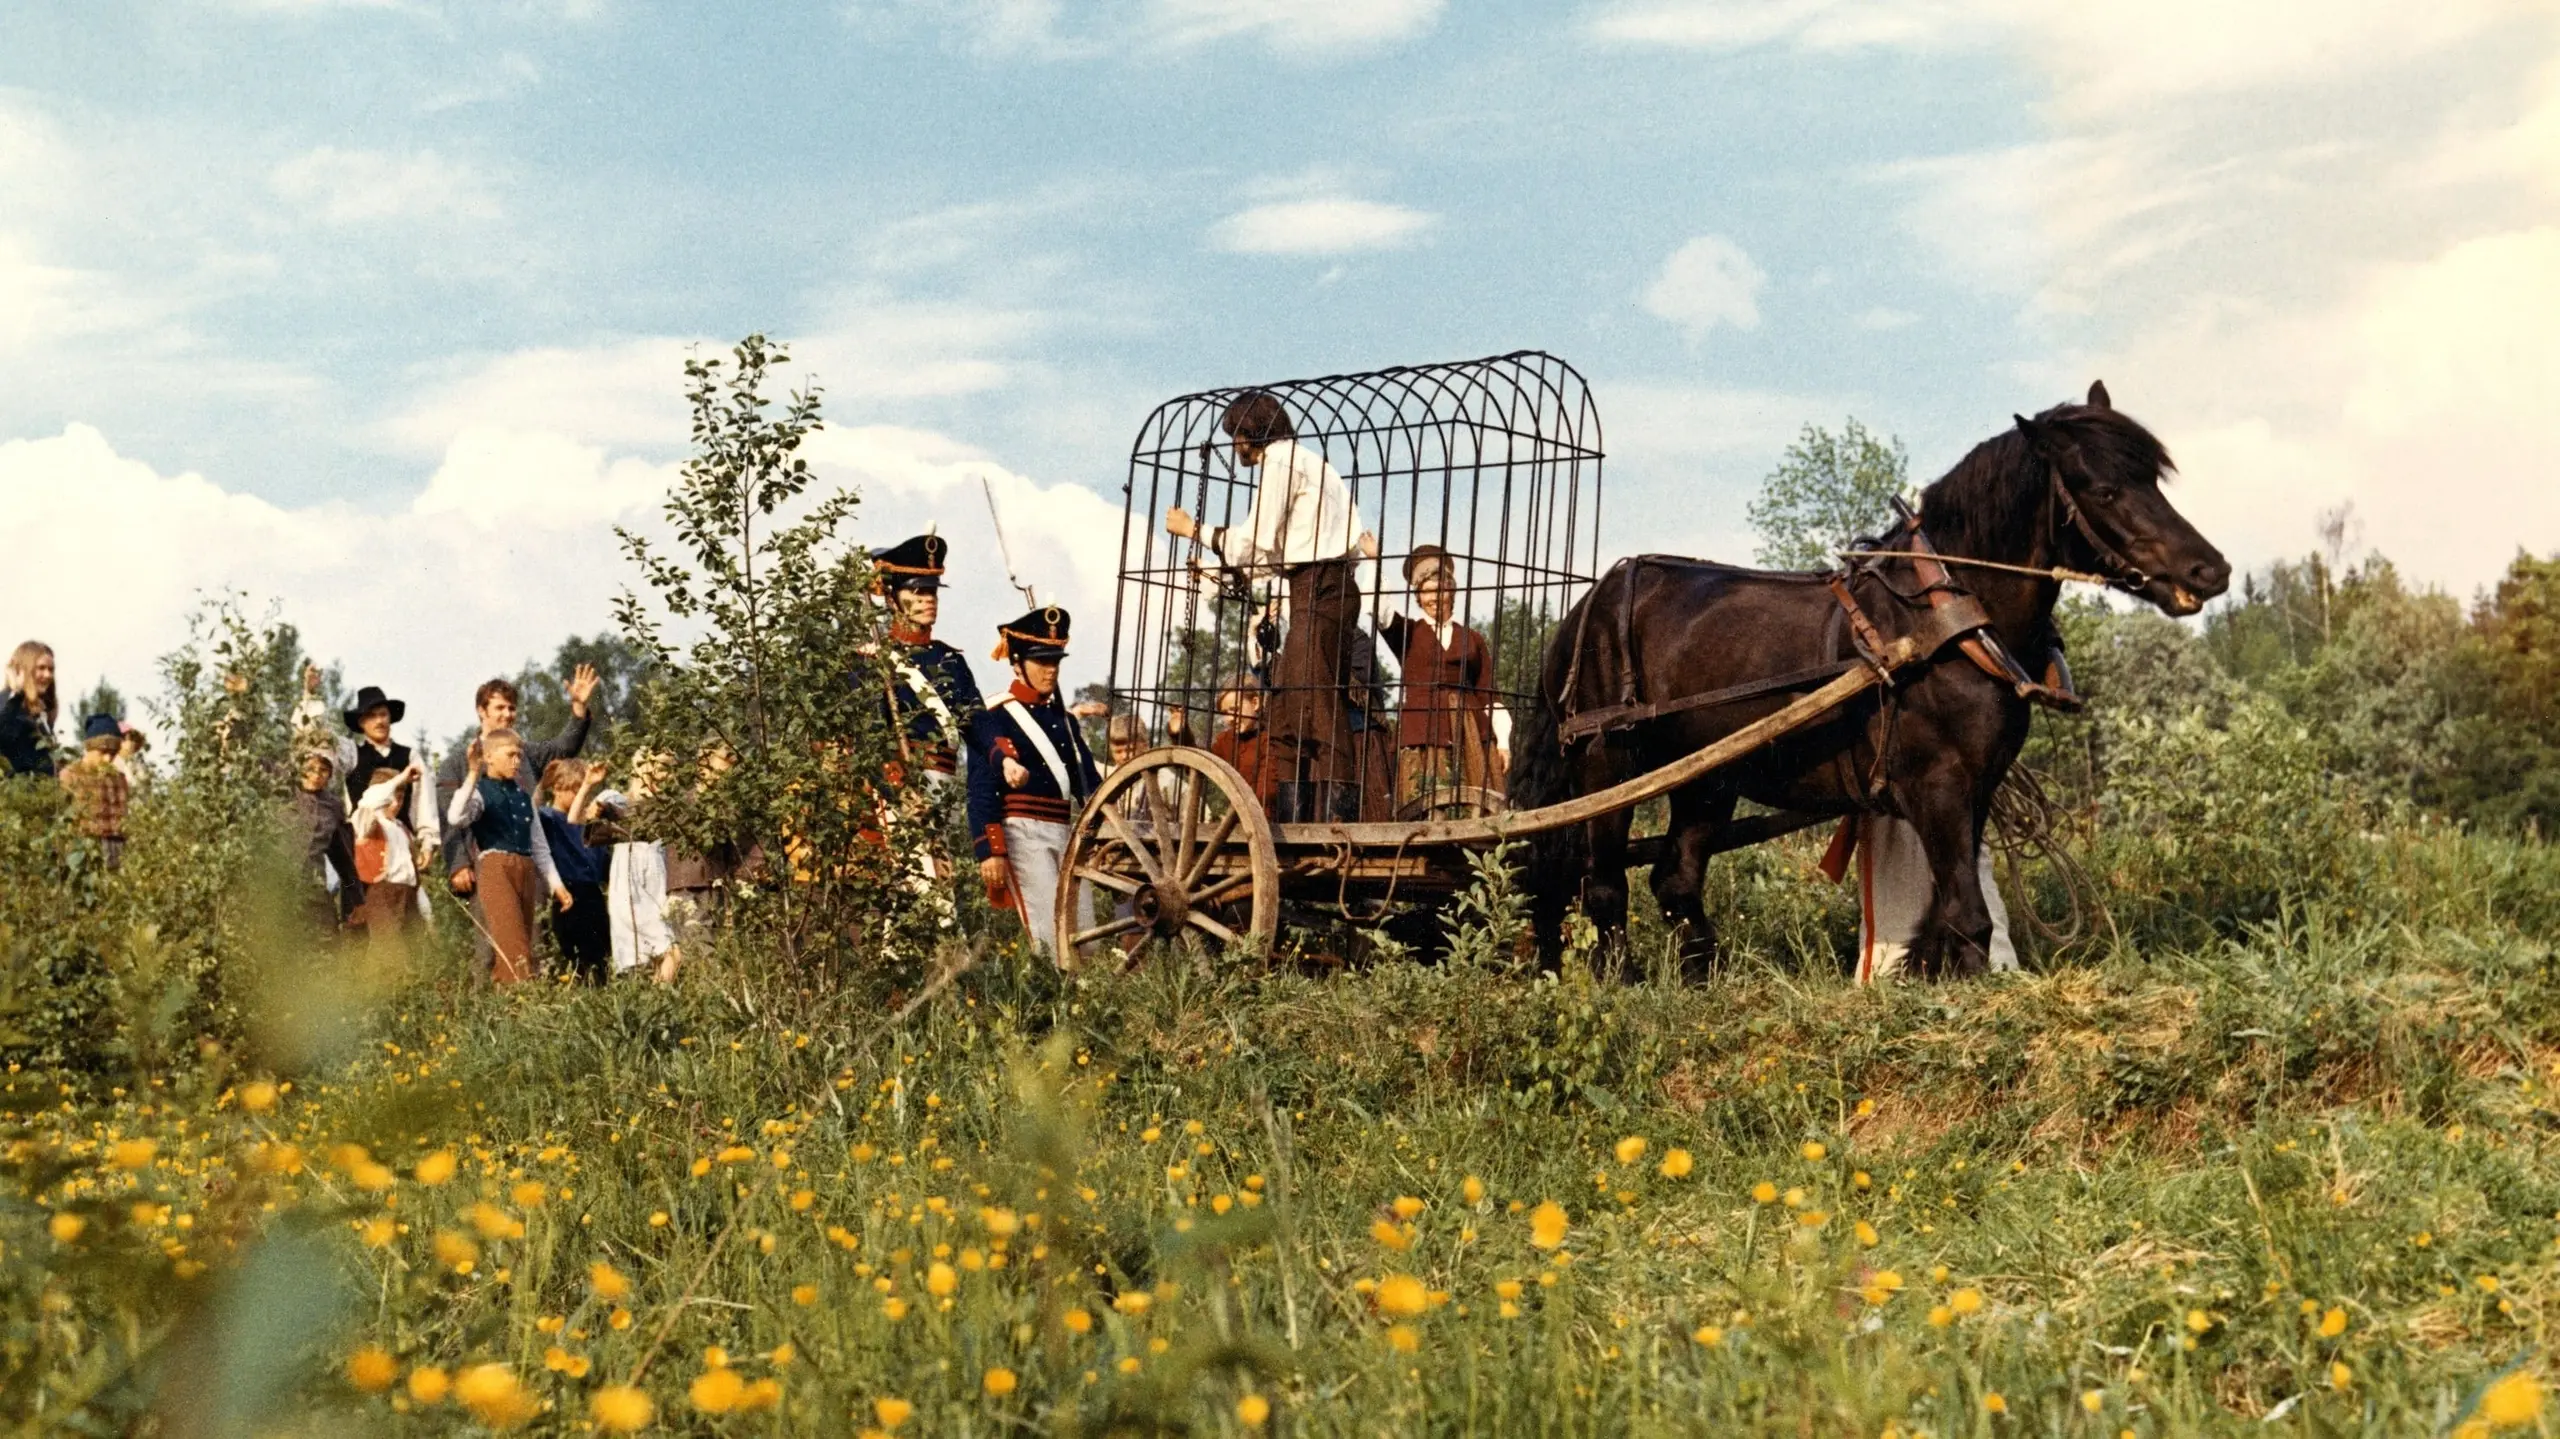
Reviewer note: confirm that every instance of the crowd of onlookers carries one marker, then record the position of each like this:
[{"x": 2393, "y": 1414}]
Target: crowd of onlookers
[{"x": 507, "y": 827}]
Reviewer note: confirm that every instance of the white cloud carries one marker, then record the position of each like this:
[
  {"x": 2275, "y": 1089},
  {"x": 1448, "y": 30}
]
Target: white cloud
[
  {"x": 628, "y": 394},
  {"x": 1333, "y": 226},
  {"x": 2311, "y": 242},
  {"x": 1294, "y": 27},
  {"x": 1885, "y": 317},
  {"x": 1133, "y": 29},
  {"x": 506, "y": 550},
  {"x": 1707, "y": 282},
  {"x": 352, "y": 187},
  {"x": 1687, "y": 458},
  {"x": 1814, "y": 24},
  {"x": 428, "y": 599}
]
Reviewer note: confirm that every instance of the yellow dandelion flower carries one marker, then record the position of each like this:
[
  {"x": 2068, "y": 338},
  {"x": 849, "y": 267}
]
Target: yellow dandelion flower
[
  {"x": 428, "y": 1384},
  {"x": 1406, "y": 1206},
  {"x": 1402, "y": 1296},
  {"x": 435, "y": 1168},
  {"x": 2340, "y": 1376},
  {"x": 372, "y": 1177},
  {"x": 1133, "y": 1303},
  {"x": 494, "y": 1395},
  {"x": 1630, "y": 1149},
  {"x": 1965, "y": 1302},
  {"x": 1813, "y": 1218},
  {"x": 1795, "y": 1198},
  {"x": 717, "y": 1390},
  {"x": 2488, "y": 1283},
  {"x": 940, "y": 1279},
  {"x": 2333, "y": 1323},
  {"x": 1813, "y": 1152},
  {"x": 2512, "y": 1402},
  {"x": 1253, "y": 1411},
  {"x": 1000, "y": 1382},
  {"x": 608, "y": 1282},
  {"x": 1862, "y": 1180},
  {"x": 737, "y": 1154},
  {"x": 1708, "y": 1335},
  {"x": 455, "y": 1251},
  {"x": 1764, "y": 1193},
  {"x": 1992, "y": 1403},
  {"x": 1940, "y": 1316},
  {"x": 257, "y": 1096},
  {"x": 894, "y": 1307},
  {"x": 658, "y": 1219},
  {"x": 495, "y": 1223},
  {"x": 1389, "y": 1235},
  {"x": 2093, "y": 1400},
  {"x": 1676, "y": 1164},
  {"x": 621, "y": 1409},
  {"x": 1470, "y": 1189},
  {"x": 2198, "y": 1321},
  {"x": 372, "y": 1369},
  {"x": 1547, "y": 1225},
  {"x": 377, "y": 1232},
  {"x": 529, "y": 1195},
  {"x": 891, "y": 1412},
  {"x": 132, "y": 1153},
  {"x": 804, "y": 1295},
  {"x": 1078, "y": 1321},
  {"x": 1506, "y": 1289},
  {"x": 1402, "y": 1339},
  {"x": 1866, "y": 1233}
]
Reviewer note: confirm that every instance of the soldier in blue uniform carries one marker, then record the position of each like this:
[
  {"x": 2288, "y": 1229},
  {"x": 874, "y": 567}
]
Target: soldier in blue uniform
[
  {"x": 1029, "y": 770},
  {"x": 932, "y": 696}
]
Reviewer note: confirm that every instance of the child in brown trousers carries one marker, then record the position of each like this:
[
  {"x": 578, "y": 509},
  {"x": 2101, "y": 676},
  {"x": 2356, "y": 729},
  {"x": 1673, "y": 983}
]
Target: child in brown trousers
[{"x": 514, "y": 869}]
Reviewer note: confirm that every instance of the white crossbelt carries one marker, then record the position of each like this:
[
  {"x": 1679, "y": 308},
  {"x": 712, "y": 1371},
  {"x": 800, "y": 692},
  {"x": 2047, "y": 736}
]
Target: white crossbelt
[
  {"x": 1039, "y": 738},
  {"x": 931, "y": 696}
]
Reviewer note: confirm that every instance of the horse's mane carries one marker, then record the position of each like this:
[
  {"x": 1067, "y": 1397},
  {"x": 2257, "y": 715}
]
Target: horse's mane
[{"x": 1987, "y": 504}]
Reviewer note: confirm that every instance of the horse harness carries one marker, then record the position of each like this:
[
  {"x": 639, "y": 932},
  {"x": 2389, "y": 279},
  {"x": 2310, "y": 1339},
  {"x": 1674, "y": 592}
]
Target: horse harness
[{"x": 1953, "y": 615}]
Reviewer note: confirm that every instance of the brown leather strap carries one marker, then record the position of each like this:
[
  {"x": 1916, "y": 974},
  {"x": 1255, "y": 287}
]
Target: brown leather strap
[{"x": 1862, "y": 631}]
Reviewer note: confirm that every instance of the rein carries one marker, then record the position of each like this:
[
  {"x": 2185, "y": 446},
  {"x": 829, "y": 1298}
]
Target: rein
[{"x": 2057, "y": 573}]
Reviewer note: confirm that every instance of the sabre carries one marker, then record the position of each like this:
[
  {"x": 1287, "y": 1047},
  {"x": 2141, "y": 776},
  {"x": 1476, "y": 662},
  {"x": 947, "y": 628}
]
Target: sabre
[{"x": 1003, "y": 549}]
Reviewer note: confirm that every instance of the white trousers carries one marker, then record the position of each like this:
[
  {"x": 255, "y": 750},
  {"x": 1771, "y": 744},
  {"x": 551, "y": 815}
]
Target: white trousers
[
  {"x": 1895, "y": 887},
  {"x": 1036, "y": 849}
]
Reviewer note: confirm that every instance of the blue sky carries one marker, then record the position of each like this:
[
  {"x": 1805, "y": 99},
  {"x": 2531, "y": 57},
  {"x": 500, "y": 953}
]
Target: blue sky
[{"x": 377, "y": 309}]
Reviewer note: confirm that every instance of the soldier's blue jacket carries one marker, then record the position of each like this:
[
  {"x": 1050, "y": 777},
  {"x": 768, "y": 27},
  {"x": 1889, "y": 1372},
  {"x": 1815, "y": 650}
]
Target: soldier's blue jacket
[
  {"x": 996, "y": 737},
  {"x": 947, "y": 672}
]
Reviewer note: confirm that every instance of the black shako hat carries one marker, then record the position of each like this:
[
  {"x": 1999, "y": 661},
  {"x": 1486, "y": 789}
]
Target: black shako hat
[
  {"x": 366, "y": 699},
  {"x": 1039, "y": 635},
  {"x": 912, "y": 564}
]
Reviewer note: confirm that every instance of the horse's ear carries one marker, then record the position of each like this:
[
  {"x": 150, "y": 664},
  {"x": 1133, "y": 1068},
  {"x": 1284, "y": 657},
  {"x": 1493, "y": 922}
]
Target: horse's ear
[{"x": 2098, "y": 396}]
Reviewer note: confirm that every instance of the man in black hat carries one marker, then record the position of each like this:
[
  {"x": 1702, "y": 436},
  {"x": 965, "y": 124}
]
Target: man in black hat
[
  {"x": 932, "y": 696},
  {"x": 367, "y": 746},
  {"x": 1028, "y": 771}
]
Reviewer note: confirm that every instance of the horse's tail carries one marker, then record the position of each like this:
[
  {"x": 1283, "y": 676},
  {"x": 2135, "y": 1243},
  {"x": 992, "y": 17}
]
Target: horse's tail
[{"x": 1540, "y": 776}]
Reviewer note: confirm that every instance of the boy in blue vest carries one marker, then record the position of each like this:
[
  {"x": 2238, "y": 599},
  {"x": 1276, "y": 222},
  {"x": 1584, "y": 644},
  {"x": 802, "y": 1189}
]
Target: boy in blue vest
[{"x": 1029, "y": 769}]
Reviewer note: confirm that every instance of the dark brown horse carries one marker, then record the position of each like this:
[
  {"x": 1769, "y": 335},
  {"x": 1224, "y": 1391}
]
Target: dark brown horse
[{"x": 2077, "y": 487}]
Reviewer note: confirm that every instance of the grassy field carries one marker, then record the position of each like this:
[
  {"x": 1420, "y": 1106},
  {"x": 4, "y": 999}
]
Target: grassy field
[{"x": 2300, "y": 1177}]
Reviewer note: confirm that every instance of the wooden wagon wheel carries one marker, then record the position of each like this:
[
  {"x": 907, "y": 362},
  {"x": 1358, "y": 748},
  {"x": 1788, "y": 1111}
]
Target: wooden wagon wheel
[{"x": 1178, "y": 834}]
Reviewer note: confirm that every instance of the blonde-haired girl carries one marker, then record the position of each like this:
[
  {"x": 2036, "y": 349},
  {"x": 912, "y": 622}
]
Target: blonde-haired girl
[{"x": 28, "y": 710}]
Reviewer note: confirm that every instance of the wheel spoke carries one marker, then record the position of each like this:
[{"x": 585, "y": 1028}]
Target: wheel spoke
[
  {"x": 1190, "y": 826},
  {"x": 1109, "y": 880},
  {"x": 1104, "y": 931},
  {"x": 1209, "y": 849},
  {"x": 1232, "y": 884},
  {"x": 1219, "y": 931},
  {"x": 1120, "y": 827}
]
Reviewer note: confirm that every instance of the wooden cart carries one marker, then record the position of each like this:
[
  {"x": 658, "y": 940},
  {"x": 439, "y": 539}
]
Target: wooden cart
[{"x": 1494, "y": 461}]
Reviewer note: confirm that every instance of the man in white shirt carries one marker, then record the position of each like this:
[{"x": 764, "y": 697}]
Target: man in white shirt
[{"x": 1304, "y": 530}]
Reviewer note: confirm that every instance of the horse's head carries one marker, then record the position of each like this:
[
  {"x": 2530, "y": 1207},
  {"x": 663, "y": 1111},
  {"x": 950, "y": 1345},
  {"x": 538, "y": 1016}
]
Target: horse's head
[{"x": 2108, "y": 470}]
